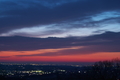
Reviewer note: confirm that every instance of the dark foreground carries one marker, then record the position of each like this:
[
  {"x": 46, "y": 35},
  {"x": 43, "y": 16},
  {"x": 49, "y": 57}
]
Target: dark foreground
[{"x": 105, "y": 70}]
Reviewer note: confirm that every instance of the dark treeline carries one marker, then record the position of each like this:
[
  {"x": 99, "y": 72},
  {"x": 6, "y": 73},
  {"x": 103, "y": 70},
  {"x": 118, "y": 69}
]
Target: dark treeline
[{"x": 102, "y": 70}]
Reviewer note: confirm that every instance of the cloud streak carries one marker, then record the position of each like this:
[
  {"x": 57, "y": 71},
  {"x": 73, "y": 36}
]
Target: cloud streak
[
  {"x": 80, "y": 51},
  {"x": 5, "y": 56},
  {"x": 106, "y": 42}
]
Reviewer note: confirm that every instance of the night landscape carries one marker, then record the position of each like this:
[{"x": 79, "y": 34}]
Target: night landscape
[{"x": 59, "y": 39}]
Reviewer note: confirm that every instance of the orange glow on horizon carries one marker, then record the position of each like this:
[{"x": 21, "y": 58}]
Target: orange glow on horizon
[{"x": 62, "y": 58}]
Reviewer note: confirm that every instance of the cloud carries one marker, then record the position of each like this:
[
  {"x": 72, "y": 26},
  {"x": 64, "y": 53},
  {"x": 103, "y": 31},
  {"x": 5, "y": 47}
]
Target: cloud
[
  {"x": 17, "y": 14},
  {"x": 106, "y": 42},
  {"x": 80, "y": 51},
  {"x": 5, "y": 56}
]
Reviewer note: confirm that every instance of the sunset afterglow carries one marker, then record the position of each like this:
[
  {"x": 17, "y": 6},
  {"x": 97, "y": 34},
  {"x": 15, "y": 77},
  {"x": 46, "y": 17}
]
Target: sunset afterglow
[{"x": 59, "y": 30}]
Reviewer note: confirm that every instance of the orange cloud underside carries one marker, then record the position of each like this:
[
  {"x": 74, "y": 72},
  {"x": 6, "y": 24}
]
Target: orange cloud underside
[{"x": 11, "y": 56}]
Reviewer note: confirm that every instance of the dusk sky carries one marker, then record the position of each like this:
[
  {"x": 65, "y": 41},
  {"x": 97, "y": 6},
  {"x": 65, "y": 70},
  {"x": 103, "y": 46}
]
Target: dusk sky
[{"x": 59, "y": 30}]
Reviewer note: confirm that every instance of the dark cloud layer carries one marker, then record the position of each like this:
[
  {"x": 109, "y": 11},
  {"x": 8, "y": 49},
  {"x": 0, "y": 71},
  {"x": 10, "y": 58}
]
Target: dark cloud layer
[
  {"x": 4, "y": 56},
  {"x": 106, "y": 42},
  {"x": 19, "y": 14}
]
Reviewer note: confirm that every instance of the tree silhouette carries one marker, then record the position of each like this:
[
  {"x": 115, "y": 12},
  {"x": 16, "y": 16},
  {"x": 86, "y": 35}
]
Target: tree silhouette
[{"x": 106, "y": 70}]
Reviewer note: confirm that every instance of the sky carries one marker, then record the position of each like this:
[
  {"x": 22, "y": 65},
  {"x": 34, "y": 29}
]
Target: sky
[{"x": 59, "y": 30}]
